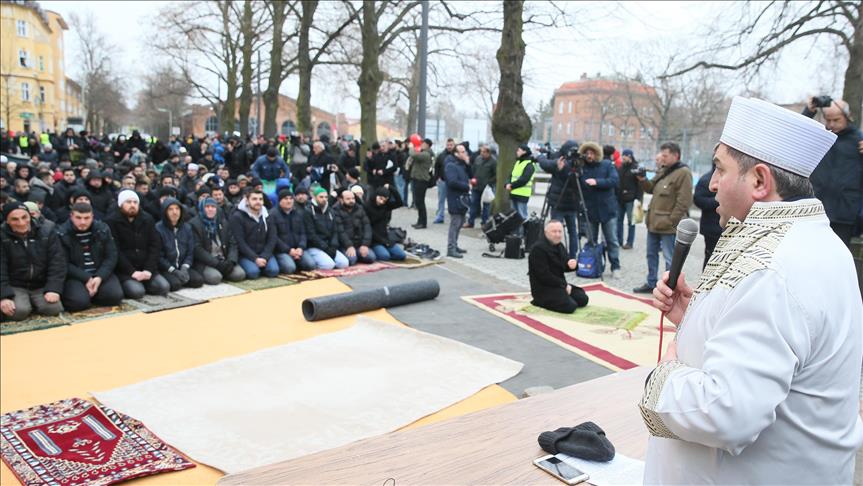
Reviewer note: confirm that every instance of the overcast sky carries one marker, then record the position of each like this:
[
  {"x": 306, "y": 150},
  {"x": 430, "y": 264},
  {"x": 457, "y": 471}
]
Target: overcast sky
[{"x": 612, "y": 33}]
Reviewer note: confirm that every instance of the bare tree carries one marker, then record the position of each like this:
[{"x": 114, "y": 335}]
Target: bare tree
[
  {"x": 772, "y": 26},
  {"x": 280, "y": 68},
  {"x": 102, "y": 88},
  {"x": 510, "y": 123},
  {"x": 165, "y": 88}
]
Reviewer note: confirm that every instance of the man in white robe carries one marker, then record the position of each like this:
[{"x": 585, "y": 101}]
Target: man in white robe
[{"x": 762, "y": 384}]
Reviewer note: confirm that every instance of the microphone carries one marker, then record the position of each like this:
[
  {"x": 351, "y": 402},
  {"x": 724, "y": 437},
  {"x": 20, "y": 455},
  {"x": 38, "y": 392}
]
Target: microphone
[{"x": 687, "y": 231}]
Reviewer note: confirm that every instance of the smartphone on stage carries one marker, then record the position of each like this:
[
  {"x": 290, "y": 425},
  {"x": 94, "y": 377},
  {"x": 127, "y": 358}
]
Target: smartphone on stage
[{"x": 561, "y": 470}]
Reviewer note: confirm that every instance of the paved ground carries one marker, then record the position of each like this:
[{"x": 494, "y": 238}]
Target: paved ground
[{"x": 633, "y": 262}]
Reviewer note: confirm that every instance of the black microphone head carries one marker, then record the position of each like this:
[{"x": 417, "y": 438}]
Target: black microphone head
[{"x": 687, "y": 231}]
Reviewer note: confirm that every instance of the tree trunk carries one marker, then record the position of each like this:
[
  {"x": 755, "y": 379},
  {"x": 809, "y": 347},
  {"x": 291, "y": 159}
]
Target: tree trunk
[
  {"x": 304, "y": 68},
  {"x": 853, "y": 90},
  {"x": 274, "y": 82},
  {"x": 248, "y": 34},
  {"x": 370, "y": 80},
  {"x": 510, "y": 123}
]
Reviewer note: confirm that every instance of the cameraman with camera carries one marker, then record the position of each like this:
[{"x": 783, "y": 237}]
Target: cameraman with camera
[
  {"x": 629, "y": 191},
  {"x": 838, "y": 178},
  {"x": 562, "y": 195}
]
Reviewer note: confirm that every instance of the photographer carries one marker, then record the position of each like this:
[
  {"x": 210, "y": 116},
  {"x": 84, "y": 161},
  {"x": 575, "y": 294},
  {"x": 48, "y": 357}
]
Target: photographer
[
  {"x": 562, "y": 194},
  {"x": 599, "y": 182},
  {"x": 629, "y": 191},
  {"x": 838, "y": 178}
]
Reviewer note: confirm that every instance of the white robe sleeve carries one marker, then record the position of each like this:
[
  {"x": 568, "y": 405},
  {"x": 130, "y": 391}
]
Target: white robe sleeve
[{"x": 755, "y": 346}]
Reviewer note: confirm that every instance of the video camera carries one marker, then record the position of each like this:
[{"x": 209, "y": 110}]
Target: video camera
[
  {"x": 574, "y": 157},
  {"x": 823, "y": 101}
]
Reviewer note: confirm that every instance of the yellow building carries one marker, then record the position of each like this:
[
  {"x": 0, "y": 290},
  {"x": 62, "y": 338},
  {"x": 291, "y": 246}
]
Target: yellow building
[{"x": 34, "y": 90}]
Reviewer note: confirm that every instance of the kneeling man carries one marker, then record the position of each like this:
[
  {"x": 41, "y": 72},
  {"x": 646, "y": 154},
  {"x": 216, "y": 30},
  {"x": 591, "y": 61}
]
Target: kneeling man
[{"x": 546, "y": 265}]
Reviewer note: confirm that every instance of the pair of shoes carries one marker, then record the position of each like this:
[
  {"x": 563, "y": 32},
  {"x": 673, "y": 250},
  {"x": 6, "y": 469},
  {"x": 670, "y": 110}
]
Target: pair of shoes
[
  {"x": 467, "y": 226},
  {"x": 644, "y": 289},
  {"x": 461, "y": 250},
  {"x": 418, "y": 226},
  {"x": 627, "y": 247},
  {"x": 437, "y": 221},
  {"x": 453, "y": 254}
]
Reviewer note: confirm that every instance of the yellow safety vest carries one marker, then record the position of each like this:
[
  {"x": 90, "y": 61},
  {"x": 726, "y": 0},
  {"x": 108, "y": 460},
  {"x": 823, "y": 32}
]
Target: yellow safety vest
[
  {"x": 517, "y": 171},
  {"x": 44, "y": 138},
  {"x": 23, "y": 141}
]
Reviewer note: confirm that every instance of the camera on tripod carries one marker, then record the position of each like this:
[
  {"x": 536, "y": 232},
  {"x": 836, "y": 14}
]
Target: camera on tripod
[{"x": 575, "y": 158}]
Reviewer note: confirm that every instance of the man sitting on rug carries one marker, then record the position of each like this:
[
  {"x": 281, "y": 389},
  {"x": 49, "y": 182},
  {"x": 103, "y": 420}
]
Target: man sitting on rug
[
  {"x": 31, "y": 273},
  {"x": 354, "y": 230},
  {"x": 91, "y": 257},
  {"x": 256, "y": 239},
  {"x": 291, "y": 240},
  {"x": 320, "y": 222},
  {"x": 380, "y": 209},
  {"x": 215, "y": 247},
  {"x": 178, "y": 247},
  {"x": 546, "y": 265},
  {"x": 138, "y": 246}
]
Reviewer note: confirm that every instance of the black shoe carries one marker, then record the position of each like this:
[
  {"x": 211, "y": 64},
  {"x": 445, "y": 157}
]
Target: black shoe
[
  {"x": 491, "y": 247},
  {"x": 461, "y": 250},
  {"x": 644, "y": 289},
  {"x": 453, "y": 254},
  {"x": 418, "y": 226}
]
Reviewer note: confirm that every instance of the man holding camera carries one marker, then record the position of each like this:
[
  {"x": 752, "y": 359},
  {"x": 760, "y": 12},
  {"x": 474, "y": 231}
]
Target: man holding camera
[
  {"x": 838, "y": 179},
  {"x": 628, "y": 192}
]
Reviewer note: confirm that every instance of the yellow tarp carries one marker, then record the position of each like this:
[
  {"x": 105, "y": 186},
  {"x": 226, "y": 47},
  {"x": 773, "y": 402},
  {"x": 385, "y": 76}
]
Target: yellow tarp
[{"x": 44, "y": 366}]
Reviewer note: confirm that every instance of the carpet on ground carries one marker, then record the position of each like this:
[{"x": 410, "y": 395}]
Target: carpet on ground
[
  {"x": 210, "y": 292},
  {"x": 73, "y": 441},
  {"x": 263, "y": 283},
  {"x": 36, "y": 322},
  {"x": 416, "y": 262},
  {"x": 355, "y": 270},
  {"x": 296, "y": 399},
  {"x": 617, "y": 330}
]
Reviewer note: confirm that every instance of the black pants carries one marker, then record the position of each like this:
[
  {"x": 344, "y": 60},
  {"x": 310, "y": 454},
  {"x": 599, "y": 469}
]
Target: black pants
[
  {"x": 77, "y": 298},
  {"x": 564, "y": 302},
  {"x": 844, "y": 231},
  {"x": 195, "y": 280},
  {"x": 419, "y": 189},
  {"x": 709, "y": 246}
]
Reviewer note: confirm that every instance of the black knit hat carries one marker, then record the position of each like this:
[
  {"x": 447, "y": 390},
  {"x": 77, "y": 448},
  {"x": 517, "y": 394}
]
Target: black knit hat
[
  {"x": 12, "y": 206},
  {"x": 526, "y": 148},
  {"x": 285, "y": 192},
  {"x": 585, "y": 441}
]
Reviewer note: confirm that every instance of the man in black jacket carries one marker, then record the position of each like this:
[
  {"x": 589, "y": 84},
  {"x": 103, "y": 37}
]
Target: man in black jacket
[
  {"x": 381, "y": 166},
  {"x": 291, "y": 238},
  {"x": 32, "y": 267},
  {"x": 138, "y": 247},
  {"x": 354, "y": 230},
  {"x": 216, "y": 255},
  {"x": 177, "y": 255},
  {"x": 256, "y": 239},
  {"x": 91, "y": 257},
  {"x": 546, "y": 265},
  {"x": 320, "y": 223},
  {"x": 101, "y": 197},
  {"x": 838, "y": 179},
  {"x": 379, "y": 208},
  {"x": 709, "y": 225},
  {"x": 563, "y": 196},
  {"x": 440, "y": 179},
  {"x": 628, "y": 192}
]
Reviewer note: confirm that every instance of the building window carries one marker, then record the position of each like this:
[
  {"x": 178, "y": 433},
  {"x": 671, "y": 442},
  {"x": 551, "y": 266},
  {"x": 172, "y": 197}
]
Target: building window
[
  {"x": 568, "y": 128},
  {"x": 288, "y": 127},
  {"x": 21, "y": 26},
  {"x": 560, "y": 108},
  {"x": 25, "y": 91},
  {"x": 41, "y": 63},
  {"x": 42, "y": 94},
  {"x": 610, "y": 130},
  {"x": 212, "y": 124},
  {"x": 570, "y": 106},
  {"x": 23, "y": 58},
  {"x": 559, "y": 127}
]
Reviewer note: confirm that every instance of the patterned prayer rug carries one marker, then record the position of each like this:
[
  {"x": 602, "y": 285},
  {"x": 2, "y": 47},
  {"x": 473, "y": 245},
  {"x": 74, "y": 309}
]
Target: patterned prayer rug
[
  {"x": 358, "y": 269},
  {"x": 617, "y": 330},
  {"x": 415, "y": 262},
  {"x": 74, "y": 442},
  {"x": 210, "y": 292},
  {"x": 263, "y": 283},
  {"x": 37, "y": 322}
]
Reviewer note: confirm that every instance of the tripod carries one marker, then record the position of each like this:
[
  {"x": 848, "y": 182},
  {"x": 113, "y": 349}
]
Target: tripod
[{"x": 581, "y": 211}]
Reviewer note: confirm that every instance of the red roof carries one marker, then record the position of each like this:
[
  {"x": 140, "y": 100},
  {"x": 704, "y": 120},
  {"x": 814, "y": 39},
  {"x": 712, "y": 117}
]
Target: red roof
[{"x": 604, "y": 85}]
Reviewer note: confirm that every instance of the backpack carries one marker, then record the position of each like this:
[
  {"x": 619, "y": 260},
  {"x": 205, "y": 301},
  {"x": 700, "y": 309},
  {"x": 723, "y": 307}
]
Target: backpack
[{"x": 591, "y": 260}]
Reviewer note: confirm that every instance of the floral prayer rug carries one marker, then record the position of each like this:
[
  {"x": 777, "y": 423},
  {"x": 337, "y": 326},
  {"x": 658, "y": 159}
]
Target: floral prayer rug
[
  {"x": 75, "y": 442},
  {"x": 358, "y": 269},
  {"x": 617, "y": 330}
]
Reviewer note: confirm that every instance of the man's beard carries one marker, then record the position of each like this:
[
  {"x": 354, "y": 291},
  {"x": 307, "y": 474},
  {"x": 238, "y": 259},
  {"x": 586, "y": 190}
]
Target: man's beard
[{"x": 129, "y": 213}]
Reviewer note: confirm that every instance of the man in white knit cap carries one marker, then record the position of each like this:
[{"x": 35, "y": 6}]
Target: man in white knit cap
[{"x": 761, "y": 385}]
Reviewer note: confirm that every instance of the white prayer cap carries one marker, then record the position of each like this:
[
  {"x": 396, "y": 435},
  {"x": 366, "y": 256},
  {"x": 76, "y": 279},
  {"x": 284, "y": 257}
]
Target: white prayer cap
[
  {"x": 775, "y": 135},
  {"x": 192, "y": 166},
  {"x": 125, "y": 195}
]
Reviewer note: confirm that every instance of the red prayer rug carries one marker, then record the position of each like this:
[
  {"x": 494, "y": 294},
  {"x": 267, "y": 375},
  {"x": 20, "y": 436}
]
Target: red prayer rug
[{"x": 75, "y": 442}]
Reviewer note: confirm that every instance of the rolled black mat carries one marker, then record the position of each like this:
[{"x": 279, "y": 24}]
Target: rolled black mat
[{"x": 328, "y": 306}]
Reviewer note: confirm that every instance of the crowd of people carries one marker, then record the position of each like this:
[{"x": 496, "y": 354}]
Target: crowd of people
[{"x": 90, "y": 221}]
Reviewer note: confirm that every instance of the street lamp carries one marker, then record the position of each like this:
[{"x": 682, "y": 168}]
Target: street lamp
[{"x": 170, "y": 119}]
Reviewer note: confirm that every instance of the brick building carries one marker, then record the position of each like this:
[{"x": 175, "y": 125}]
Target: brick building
[
  {"x": 201, "y": 119},
  {"x": 600, "y": 110}
]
